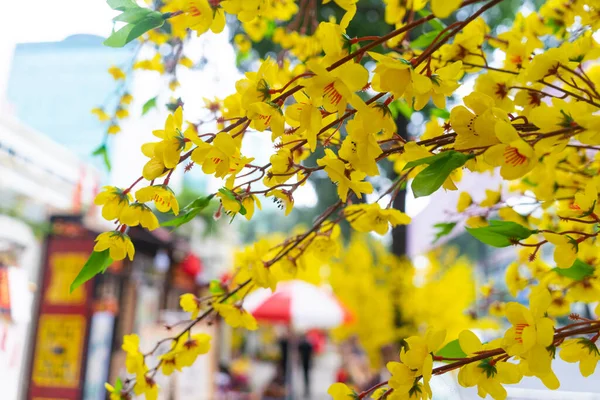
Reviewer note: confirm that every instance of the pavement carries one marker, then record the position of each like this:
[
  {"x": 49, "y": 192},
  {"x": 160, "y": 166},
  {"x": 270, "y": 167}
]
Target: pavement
[{"x": 323, "y": 373}]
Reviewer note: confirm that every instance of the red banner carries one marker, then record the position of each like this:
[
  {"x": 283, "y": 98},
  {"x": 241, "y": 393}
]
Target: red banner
[{"x": 57, "y": 366}]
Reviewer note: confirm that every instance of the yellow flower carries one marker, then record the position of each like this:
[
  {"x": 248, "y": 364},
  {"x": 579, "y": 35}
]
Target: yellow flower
[
  {"x": 134, "y": 360},
  {"x": 496, "y": 85},
  {"x": 339, "y": 391},
  {"x": 189, "y": 303},
  {"x": 116, "y": 72},
  {"x": 466, "y": 45},
  {"x": 248, "y": 202},
  {"x": 514, "y": 281},
  {"x": 476, "y": 129},
  {"x": 118, "y": 243},
  {"x": 583, "y": 351},
  {"x": 419, "y": 357},
  {"x": 346, "y": 180},
  {"x": 402, "y": 379},
  {"x": 113, "y": 129},
  {"x": 306, "y": 117},
  {"x": 114, "y": 391},
  {"x": 283, "y": 199},
  {"x": 218, "y": 156},
  {"x": 139, "y": 214},
  {"x": 464, "y": 201},
  {"x": 514, "y": 155},
  {"x": 437, "y": 86},
  {"x": 266, "y": 116},
  {"x": 163, "y": 197},
  {"x": 488, "y": 374},
  {"x": 113, "y": 201},
  {"x": 391, "y": 74},
  {"x": 121, "y": 113},
  {"x": 242, "y": 43},
  {"x": 168, "y": 150},
  {"x": 101, "y": 114},
  {"x": 492, "y": 197},
  {"x": 236, "y": 316},
  {"x": 200, "y": 16},
  {"x": 147, "y": 386},
  {"x": 333, "y": 89},
  {"x": 126, "y": 98},
  {"x": 443, "y": 8},
  {"x": 531, "y": 332},
  {"x": 565, "y": 249},
  {"x": 188, "y": 349},
  {"x": 151, "y": 65},
  {"x": 347, "y": 5},
  {"x": 370, "y": 217}
]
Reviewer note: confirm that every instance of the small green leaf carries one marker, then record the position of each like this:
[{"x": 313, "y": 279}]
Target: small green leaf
[
  {"x": 443, "y": 229},
  {"x": 133, "y": 15},
  {"x": 149, "y": 105},
  {"x": 228, "y": 193},
  {"x": 103, "y": 151},
  {"x": 440, "y": 113},
  {"x": 400, "y": 107},
  {"x": 425, "y": 39},
  {"x": 191, "y": 211},
  {"x": 500, "y": 233},
  {"x": 200, "y": 202},
  {"x": 122, "y": 5},
  {"x": 97, "y": 263},
  {"x": 578, "y": 271},
  {"x": 451, "y": 350},
  {"x": 432, "y": 178},
  {"x": 435, "y": 23},
  {"x": 215, "y": 287},
  {"x": 132, "y": 31}
]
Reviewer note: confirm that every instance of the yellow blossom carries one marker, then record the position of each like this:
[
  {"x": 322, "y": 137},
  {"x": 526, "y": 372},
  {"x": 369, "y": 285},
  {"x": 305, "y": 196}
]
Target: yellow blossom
[
  {"x": 371, "y": 217},
  {"x": 189, "y": 303},
  {"x": 118, "y": 244},
  {"x": 236, "y": 316},
  {"x": 163, "y": 197}
]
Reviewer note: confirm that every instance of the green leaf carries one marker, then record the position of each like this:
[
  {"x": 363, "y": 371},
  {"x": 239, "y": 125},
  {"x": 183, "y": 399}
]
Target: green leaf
[
  {"x": 500, "y": 233},
  {"x": 443, "y": 229},
  {"x": 440, "y": 113},
  {"x": 400, "y": 107},
  {"x": 425, "y": 39},
  {"x": 200, "y": 202},
  {"x": 103, "y": 151},
  {"x": 451, "y": 350},
  {"x": 129, "y": 32},
  {"x": 578, "y": 271},
  {"x": 435, "y": 23},
  {"x": 149, "y": 105},
  {"x": 228, "y": 193},
  {"x": 432, "y": 178},
  {"x": 134, "y": 15},
  {"x": 97, "y": 263},
  {"x": 191, "y": 211},
  {"x": 215, "y": 287},
  {"x": 122, "y": 5}
]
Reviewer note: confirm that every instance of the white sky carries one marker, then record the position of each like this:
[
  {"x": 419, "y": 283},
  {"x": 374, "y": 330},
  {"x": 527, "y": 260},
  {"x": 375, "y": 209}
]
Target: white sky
[{"x": 49, "y": 21}]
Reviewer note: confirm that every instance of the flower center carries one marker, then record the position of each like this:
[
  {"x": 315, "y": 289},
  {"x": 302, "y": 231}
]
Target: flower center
[
  {"x": 513, "y": 157},
  {"x": 332, "y": 94},
  {"x": 194, "y": 11},
  {"x": 519, "y": 332}
]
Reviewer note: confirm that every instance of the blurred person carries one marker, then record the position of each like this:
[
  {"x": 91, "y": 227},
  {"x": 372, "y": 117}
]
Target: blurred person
[{"x": 305, "y": 348}]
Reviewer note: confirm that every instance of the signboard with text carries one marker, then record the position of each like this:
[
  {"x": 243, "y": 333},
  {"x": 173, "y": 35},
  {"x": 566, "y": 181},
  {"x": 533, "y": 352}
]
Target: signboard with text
[{"x": 63, "y": 319}]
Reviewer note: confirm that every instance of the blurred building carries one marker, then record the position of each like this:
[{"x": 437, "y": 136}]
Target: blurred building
[{"x": 38, "y": 177}]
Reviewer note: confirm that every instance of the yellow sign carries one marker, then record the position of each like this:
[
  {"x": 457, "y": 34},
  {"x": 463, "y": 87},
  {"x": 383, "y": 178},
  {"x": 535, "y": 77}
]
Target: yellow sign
[
  {"x": 58, "y": 350},
  {"x": 64, "y": 267}
]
